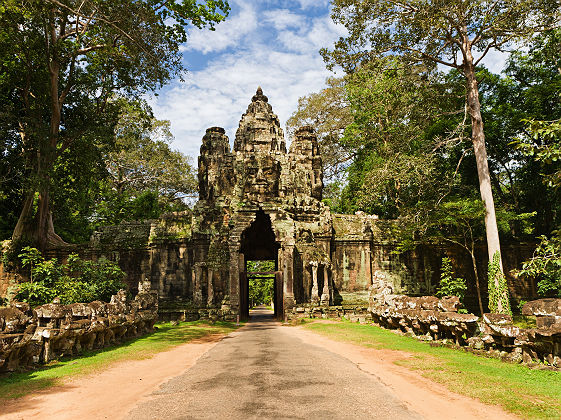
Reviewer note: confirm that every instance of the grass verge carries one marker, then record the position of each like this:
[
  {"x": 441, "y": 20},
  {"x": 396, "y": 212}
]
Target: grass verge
[
  {"x": 166, "y": 336},
  {"x": 531, "y": 394}
]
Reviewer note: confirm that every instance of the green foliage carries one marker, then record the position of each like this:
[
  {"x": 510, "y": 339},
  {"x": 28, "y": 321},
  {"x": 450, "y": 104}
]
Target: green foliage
[
  {"x": 76, "y": 281},
  {"x": 142, "y": 159},
  {"x": 261, "y": 289},
  {"x": 521, "y": 305},
  {"x": 10, "y": 253},
  {"x": 433, "y": 31},
  {"x": 545, "y": 266},
  {"x": 30, "y": 257},
  {"x": 545, "y": 147},
  {"x": 498, "y": 289},
  {"x": 522, "y": 321},
  {"x": 450, "y": 285},
  {"x": 35, "y": 294},
  {"x": 260, "y": 265},
  {"x": 329, "y": 113},
  {"x": 58, "y": 88}
]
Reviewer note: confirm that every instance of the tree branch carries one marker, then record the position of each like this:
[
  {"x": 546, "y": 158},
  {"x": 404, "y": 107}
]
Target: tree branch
[{"x": 430, "y": 57}]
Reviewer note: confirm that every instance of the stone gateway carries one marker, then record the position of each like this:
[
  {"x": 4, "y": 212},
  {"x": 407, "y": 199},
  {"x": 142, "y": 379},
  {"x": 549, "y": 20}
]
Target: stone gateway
[
  {"x": 258, "y": 202},
  {"x": 262, "y": 202}
]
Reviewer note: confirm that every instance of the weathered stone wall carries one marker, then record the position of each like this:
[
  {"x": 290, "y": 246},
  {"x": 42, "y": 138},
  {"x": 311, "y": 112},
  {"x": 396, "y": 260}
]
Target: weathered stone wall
[
  {"x": 7, "y": 279},
  {"x": 363, "y": 245},
  {"x": 29, "y": 336},
  {"x": 417, "y": 273},
  {"x": 355, "y": 313},
  {"x": 167, "y": 261}
]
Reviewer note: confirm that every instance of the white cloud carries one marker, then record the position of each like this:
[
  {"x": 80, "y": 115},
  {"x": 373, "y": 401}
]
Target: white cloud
[
  {"x": 276, "y": 49},
  {"x": 320, "y": 33},
  {"x": 226, "y": 34},
  {"x": 282, "y": 19},
  {"x": 220, "y": 94}
]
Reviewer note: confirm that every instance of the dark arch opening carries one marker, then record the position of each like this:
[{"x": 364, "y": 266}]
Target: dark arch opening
[{"x": 258, "y": 244}]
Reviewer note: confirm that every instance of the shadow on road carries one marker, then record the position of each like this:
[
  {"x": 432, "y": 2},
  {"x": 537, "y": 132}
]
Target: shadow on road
[{"x": 262, "y": 318}]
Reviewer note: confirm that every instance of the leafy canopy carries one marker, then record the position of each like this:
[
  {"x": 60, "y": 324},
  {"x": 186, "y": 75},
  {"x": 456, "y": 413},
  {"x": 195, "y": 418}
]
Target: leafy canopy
[{"x": 441, "y": 31}]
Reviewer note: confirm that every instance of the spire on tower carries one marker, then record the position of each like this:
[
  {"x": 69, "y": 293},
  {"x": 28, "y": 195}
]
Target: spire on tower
[{"x": 259, "y": 96}]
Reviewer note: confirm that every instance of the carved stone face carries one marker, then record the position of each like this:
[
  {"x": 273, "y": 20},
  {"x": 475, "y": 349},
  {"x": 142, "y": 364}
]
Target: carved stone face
[{"x": 262, "y": 177}]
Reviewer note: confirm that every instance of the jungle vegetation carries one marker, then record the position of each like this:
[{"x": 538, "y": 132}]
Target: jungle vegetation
[{"x": 418, "y": 130}]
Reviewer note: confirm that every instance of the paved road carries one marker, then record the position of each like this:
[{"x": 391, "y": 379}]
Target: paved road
[{"x": 262, "y": 372}]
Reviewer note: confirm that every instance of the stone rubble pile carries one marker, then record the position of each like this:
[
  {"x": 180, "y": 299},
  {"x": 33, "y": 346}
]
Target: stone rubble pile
[
  {"x": 29, "y": 336},
  {"x": 430, "y": 318}
]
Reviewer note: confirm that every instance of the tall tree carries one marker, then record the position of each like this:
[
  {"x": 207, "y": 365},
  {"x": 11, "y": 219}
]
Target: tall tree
[
  {"x": 453, "y": 33},
  {"x": 71, "y": 57},
  {"x": 142, "y": 168},
  {"x": 329, "y": 113}
]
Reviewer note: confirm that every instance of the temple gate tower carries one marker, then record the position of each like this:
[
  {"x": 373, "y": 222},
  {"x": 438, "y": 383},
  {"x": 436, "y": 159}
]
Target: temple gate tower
[
  {"x": 257, "y": 202},
  {"x": 260, "y": 202}
]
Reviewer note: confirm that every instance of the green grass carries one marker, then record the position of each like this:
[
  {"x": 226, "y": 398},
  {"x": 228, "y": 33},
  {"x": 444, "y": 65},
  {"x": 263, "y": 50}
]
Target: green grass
[
  {"x": 166, "y": 336},
  {"x": 531, "y": 394}
]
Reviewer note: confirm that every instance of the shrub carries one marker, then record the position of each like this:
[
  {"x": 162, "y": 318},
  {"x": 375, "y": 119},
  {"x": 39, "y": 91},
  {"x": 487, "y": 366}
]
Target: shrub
[
  {"x": 545, "y": 266},
  {"x": 75, "y": 281},
  {"x": 450, "y": 285}
]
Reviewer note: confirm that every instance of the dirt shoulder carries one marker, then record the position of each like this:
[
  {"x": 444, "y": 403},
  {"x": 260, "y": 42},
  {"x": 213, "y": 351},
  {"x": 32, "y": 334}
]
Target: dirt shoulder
[
  {"x": 111, "y": 393},
  {"x": 429, "y": 399}
]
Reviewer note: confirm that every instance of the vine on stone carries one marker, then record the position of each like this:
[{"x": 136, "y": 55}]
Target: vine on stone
[{"x": 498, "y": 289}]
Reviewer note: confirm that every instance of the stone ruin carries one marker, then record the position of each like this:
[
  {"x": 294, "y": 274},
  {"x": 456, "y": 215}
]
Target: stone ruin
[
  {"x": 257, "y": 201},
  {"x": 29, "y": 336},
  {"x": 260, "y": 201}
]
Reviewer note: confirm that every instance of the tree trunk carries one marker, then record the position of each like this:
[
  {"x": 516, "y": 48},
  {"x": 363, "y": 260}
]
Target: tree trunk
[
  {"x": 478, "y": 139},
  {"x": 25, "y": 217},
  {"x": 38, "y": 228},
  {"x": 475, "y": 273}
]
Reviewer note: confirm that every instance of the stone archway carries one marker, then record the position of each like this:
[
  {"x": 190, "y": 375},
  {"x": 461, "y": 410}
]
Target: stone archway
[{"x": 258, "y": 243}]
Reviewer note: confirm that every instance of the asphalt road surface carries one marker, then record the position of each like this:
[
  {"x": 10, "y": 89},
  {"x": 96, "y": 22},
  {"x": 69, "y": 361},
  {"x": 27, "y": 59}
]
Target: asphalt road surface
[{"x": 262, "y": 372}]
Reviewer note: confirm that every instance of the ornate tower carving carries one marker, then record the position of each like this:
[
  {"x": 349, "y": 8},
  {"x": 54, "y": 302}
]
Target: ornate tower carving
[
  {"x": 215, "y": 165},
  {"x": 260, "y": 152},
  {"x": 259, "y": 129},
  {"x": 305, "y": 164}
]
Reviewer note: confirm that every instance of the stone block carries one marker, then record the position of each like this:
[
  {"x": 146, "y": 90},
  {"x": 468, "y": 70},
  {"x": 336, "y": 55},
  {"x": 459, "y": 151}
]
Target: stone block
[
  {"x": 429, "y": 303},
  {"x": 543, "y": 307},
  {"x": 476, "y": 343},
  {"x": 449, "y": 304},
  {"x": 13, "y": 320},
  {"x": 499, "y": 324},
  {"x": 52, "y": 311},
  {"x": 548, "y": 321}
]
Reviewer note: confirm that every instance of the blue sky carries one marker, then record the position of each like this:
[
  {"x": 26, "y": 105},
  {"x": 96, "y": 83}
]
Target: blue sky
[{"x": 269, "y": 43}]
